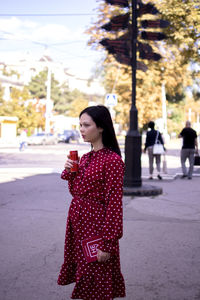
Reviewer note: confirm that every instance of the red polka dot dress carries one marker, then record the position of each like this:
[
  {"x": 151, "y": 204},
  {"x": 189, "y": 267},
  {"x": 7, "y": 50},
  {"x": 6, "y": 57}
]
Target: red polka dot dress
[{"x": 96, "y": 209}]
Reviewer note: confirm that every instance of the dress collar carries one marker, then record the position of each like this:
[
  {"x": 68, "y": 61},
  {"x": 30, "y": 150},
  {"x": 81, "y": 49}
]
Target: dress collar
[{"x": 98, "y": 151}]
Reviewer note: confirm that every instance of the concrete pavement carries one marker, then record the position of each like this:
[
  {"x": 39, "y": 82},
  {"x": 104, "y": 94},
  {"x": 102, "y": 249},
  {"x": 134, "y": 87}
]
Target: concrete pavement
[
  {"x": 160, "y": 249},
  {"x": 162, "y": 240}
]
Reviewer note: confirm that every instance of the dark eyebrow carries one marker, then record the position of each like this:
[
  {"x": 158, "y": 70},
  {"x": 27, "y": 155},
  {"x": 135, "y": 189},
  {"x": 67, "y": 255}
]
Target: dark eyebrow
[{"x": 84, "y": 123}]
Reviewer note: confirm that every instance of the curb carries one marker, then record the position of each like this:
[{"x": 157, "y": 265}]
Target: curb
[{"x": 142, "y": 191}]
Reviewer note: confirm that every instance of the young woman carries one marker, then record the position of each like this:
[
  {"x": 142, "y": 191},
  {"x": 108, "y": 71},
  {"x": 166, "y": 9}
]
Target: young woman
[
  {"x": 151, "y": 137},
  {"x": 96, "y": 209}
]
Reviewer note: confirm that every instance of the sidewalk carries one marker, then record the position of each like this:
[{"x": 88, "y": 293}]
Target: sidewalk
[{"x": 161, "y": 243}]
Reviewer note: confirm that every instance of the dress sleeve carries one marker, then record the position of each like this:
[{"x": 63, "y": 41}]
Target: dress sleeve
[
  {"x": 70, "y": 178},
  {"x": 65, "y": 175},
  {"x": 113, "y": 225}
]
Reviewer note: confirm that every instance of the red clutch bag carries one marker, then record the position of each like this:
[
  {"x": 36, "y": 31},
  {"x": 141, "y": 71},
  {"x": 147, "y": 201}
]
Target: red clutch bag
[{"x": 90, "y": 247}]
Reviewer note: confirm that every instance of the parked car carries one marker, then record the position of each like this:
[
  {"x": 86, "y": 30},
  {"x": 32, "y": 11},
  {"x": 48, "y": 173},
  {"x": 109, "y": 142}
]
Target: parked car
[
  {"x": 42, "y": 138},
  {"x": 68, "y": 136}
]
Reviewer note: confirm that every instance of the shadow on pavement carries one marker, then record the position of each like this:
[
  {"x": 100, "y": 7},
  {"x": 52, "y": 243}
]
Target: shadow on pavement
[{"x": 32, "y": 219}]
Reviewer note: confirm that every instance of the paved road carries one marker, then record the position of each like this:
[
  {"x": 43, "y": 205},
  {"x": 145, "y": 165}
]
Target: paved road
[
  {"x": 160, "y": 249},
  {"x": 47, "y": 159}
]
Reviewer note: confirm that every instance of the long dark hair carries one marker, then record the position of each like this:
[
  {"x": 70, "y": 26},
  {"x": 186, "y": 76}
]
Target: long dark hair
[{"x": 102, "y": 118}]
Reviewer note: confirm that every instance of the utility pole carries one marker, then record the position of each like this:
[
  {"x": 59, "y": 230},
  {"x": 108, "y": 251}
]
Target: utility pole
[{"x": 48, "y": 101}]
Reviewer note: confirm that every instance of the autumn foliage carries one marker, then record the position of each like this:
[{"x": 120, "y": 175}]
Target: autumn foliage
[{"x": 177, "y": 69}]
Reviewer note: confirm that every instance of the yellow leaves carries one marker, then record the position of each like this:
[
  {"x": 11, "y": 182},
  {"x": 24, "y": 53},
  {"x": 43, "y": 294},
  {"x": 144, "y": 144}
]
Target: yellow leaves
[
  {"x": 193, "y": 105},
  {"x": 177, "y": 51},
  {"x": 77, "y": 106}
]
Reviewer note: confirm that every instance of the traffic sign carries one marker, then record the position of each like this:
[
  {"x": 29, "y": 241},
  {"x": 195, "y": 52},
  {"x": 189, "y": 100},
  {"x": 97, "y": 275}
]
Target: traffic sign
[{"x": 111, "y": 100}]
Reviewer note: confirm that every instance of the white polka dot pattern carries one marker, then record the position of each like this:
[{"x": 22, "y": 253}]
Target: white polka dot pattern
[{"x": 96, "y": 209}]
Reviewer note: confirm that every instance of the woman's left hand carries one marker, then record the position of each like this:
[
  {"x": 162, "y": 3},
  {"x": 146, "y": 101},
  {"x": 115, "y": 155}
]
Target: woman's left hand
[{"x": 102, "y": 256}]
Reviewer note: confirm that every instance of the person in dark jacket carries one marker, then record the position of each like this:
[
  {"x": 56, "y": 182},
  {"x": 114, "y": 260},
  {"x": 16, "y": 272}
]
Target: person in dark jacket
[
  {"x": 150, "y": 141},
  {"x": 189, "y": 136}
]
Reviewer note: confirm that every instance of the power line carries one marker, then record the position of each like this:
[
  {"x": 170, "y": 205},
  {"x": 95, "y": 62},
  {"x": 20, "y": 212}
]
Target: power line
[{"x": 47, "y": 15}]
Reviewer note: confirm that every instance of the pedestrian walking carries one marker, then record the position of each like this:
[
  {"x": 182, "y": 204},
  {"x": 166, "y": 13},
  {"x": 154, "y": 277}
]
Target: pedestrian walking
[
  {"x": 152, "y": 137},
  {"x": 189, "y": 136},
  {"x": 23, "y": 140},
  {"x": 95, "y": 210}
]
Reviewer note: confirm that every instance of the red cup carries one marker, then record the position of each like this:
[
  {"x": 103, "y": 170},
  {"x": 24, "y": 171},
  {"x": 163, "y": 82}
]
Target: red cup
[{"x": 73, "y": 155}]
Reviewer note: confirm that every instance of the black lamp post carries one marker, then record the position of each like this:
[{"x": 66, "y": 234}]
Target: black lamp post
[
  {"x": 133, "y": 145},
  {"x": 120, "y": 49}
]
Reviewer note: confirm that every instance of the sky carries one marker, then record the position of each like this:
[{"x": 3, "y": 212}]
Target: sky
[{"x": 61, "y": 37}]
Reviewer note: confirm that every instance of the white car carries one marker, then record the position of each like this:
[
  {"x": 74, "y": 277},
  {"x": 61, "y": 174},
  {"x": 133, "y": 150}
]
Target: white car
[{"x": 42, "y": 138}]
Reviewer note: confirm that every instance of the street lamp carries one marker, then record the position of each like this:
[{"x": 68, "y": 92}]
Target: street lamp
[
  {"x": 133, "y": 145},
  {"x": 120, "y": 48}
]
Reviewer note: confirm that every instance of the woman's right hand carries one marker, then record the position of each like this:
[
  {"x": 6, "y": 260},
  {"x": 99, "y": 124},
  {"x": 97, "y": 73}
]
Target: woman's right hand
[{"x": 68, "y": 164}]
